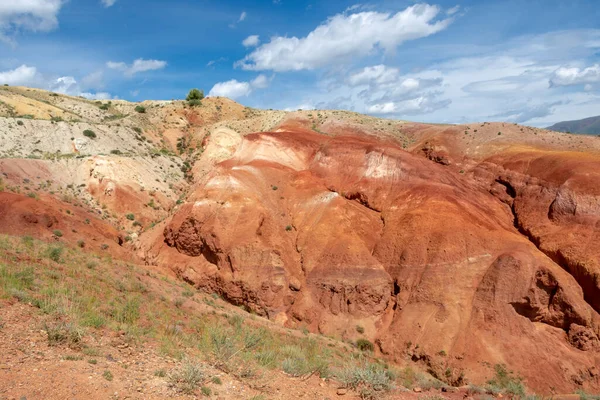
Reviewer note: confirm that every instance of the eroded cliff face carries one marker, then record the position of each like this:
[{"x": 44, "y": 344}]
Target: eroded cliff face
[{"x": 495, "y": 265}]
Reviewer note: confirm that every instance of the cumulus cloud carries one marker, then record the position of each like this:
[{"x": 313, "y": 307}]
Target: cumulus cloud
[
  {"x": 70, "y": 86},
  {"x": 423, "y": 104},
  {"x": 108, "y": 3},
  {"x": 30, "y": 76},
  {"x": 28, "y": 15},
  {"x": 564, "y": 76},
  {"x": 251, "y": 41},
  {"x": 21, "y": 76},
  {"x": 234, "y": 89},
  {"x": 345, "y": 36},
  {"x": 139, "y": 65},
  {"x": 378, "y": 74},
  {"x": 260, "y": 82}
]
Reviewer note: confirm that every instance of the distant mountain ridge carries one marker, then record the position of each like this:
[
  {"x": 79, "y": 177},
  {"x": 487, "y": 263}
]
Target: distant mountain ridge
[{"x": 587, "y": 125}]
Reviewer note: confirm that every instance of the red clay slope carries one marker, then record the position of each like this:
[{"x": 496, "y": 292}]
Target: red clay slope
[{"x": 332, "y": 233}]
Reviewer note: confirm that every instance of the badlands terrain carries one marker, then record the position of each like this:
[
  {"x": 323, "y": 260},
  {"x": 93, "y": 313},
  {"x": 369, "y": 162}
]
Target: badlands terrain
[{"x": 159, "y": 249}]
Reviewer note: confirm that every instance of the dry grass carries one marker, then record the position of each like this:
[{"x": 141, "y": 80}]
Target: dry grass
[{"x": 79, "y": 294}]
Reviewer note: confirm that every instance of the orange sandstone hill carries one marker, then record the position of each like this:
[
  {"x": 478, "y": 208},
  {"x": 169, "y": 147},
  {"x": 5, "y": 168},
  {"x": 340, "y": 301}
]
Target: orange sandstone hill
[{"x": 455, "y": 246}]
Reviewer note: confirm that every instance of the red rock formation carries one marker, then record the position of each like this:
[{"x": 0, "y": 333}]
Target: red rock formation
[{"x": 498, "y": 265}]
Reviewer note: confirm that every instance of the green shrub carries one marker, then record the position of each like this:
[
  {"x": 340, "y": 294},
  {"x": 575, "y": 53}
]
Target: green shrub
[
  {"x": 140, "y": 109},
  {"x": 194, "y": 97},
  {"x": 130, "y": 216},
  {"x": 63, "y": 333},
  {"x": 360, "y": 329},
  {"x": 137, "y": 130},
  {"x": 504, "y": 381},
  {"x": 187, "y": 378},
  {"x": 370, "y": 380},
  {"x": 54, "y": 253},
  {"x": 57, "y": 233},
  {"x": 107, "y": 375},
  {"x": 117, "y": 152},
  {"x": 20, "y": 123},
  {"x": 206, "y": 391},
  {"x": 89, "y": 133},
  {"x": 364, "y": 345}
]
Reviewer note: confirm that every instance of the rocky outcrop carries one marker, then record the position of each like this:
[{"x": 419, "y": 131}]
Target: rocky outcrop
[{"x": 333, "y": 232}]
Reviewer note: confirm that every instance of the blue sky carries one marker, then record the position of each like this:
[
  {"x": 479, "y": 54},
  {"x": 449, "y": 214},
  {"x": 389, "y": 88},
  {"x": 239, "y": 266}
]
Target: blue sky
[{"x": 534, "y": 62}]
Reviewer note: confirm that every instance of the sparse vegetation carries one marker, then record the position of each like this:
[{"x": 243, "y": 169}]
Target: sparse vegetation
[
  {"x": 89, "y": 133},
  {"x": 140, "y": 109},
  {"x": 369, "y": 380},
  {"x": 107, "y": 375},
  {"x": 187, "y": 378},
  {"x": 504, "y": 381},
  {"x": 364, "y": 345}
]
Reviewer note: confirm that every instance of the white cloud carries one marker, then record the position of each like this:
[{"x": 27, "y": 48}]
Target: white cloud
[
  {"x": 21, "y": 76},
  {"x": 260, "y": 82},
  {"x": 231, "y": 89},
  {"x": 95, "y": 80},
  {"x": 97, "y": 96},
  {"x": 139, "y": 65},
  {"x": 68, "y": 85},
  {"x": 378, "y": 74},
  {"x": 108, "y": 3},
  {"x": 243, "y": 16},
  {"x": 423, "y": 104},
  {"x": 575, "y": 76},
  {"x": 28, "y": 15},
  {"x": 235, "y": 89},
  {"x": 30, "y": 76},
  {"x": 346, "y": 36},
  {"x": 251, "y": 41}
]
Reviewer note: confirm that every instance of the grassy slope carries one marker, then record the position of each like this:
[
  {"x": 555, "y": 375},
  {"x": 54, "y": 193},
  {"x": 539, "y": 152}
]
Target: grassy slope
[{"x": 79, "y": 295}]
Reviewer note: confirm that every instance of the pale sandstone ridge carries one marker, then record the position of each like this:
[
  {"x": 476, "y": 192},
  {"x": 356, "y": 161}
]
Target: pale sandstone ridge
[{"x": 458, "y": 247}]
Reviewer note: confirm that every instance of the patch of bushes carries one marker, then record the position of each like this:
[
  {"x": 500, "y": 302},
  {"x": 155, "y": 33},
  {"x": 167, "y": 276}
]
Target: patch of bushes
[
  {"x": 55, "y": 253},
  {"x": 107, "y": 375},
  {"x": 63, "y": 333},
  {"x": 364, "y": 345},
  {"x": 117, "y": 152},
  {"x": 371, "y": 381},
  {"x": 187, "y": 378},
  {"x": 504, "y": 381},
  {"x": 140, "y": 109},
  {"x": 89, "y": 133},
  {"x": 194, "y": 97}
]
